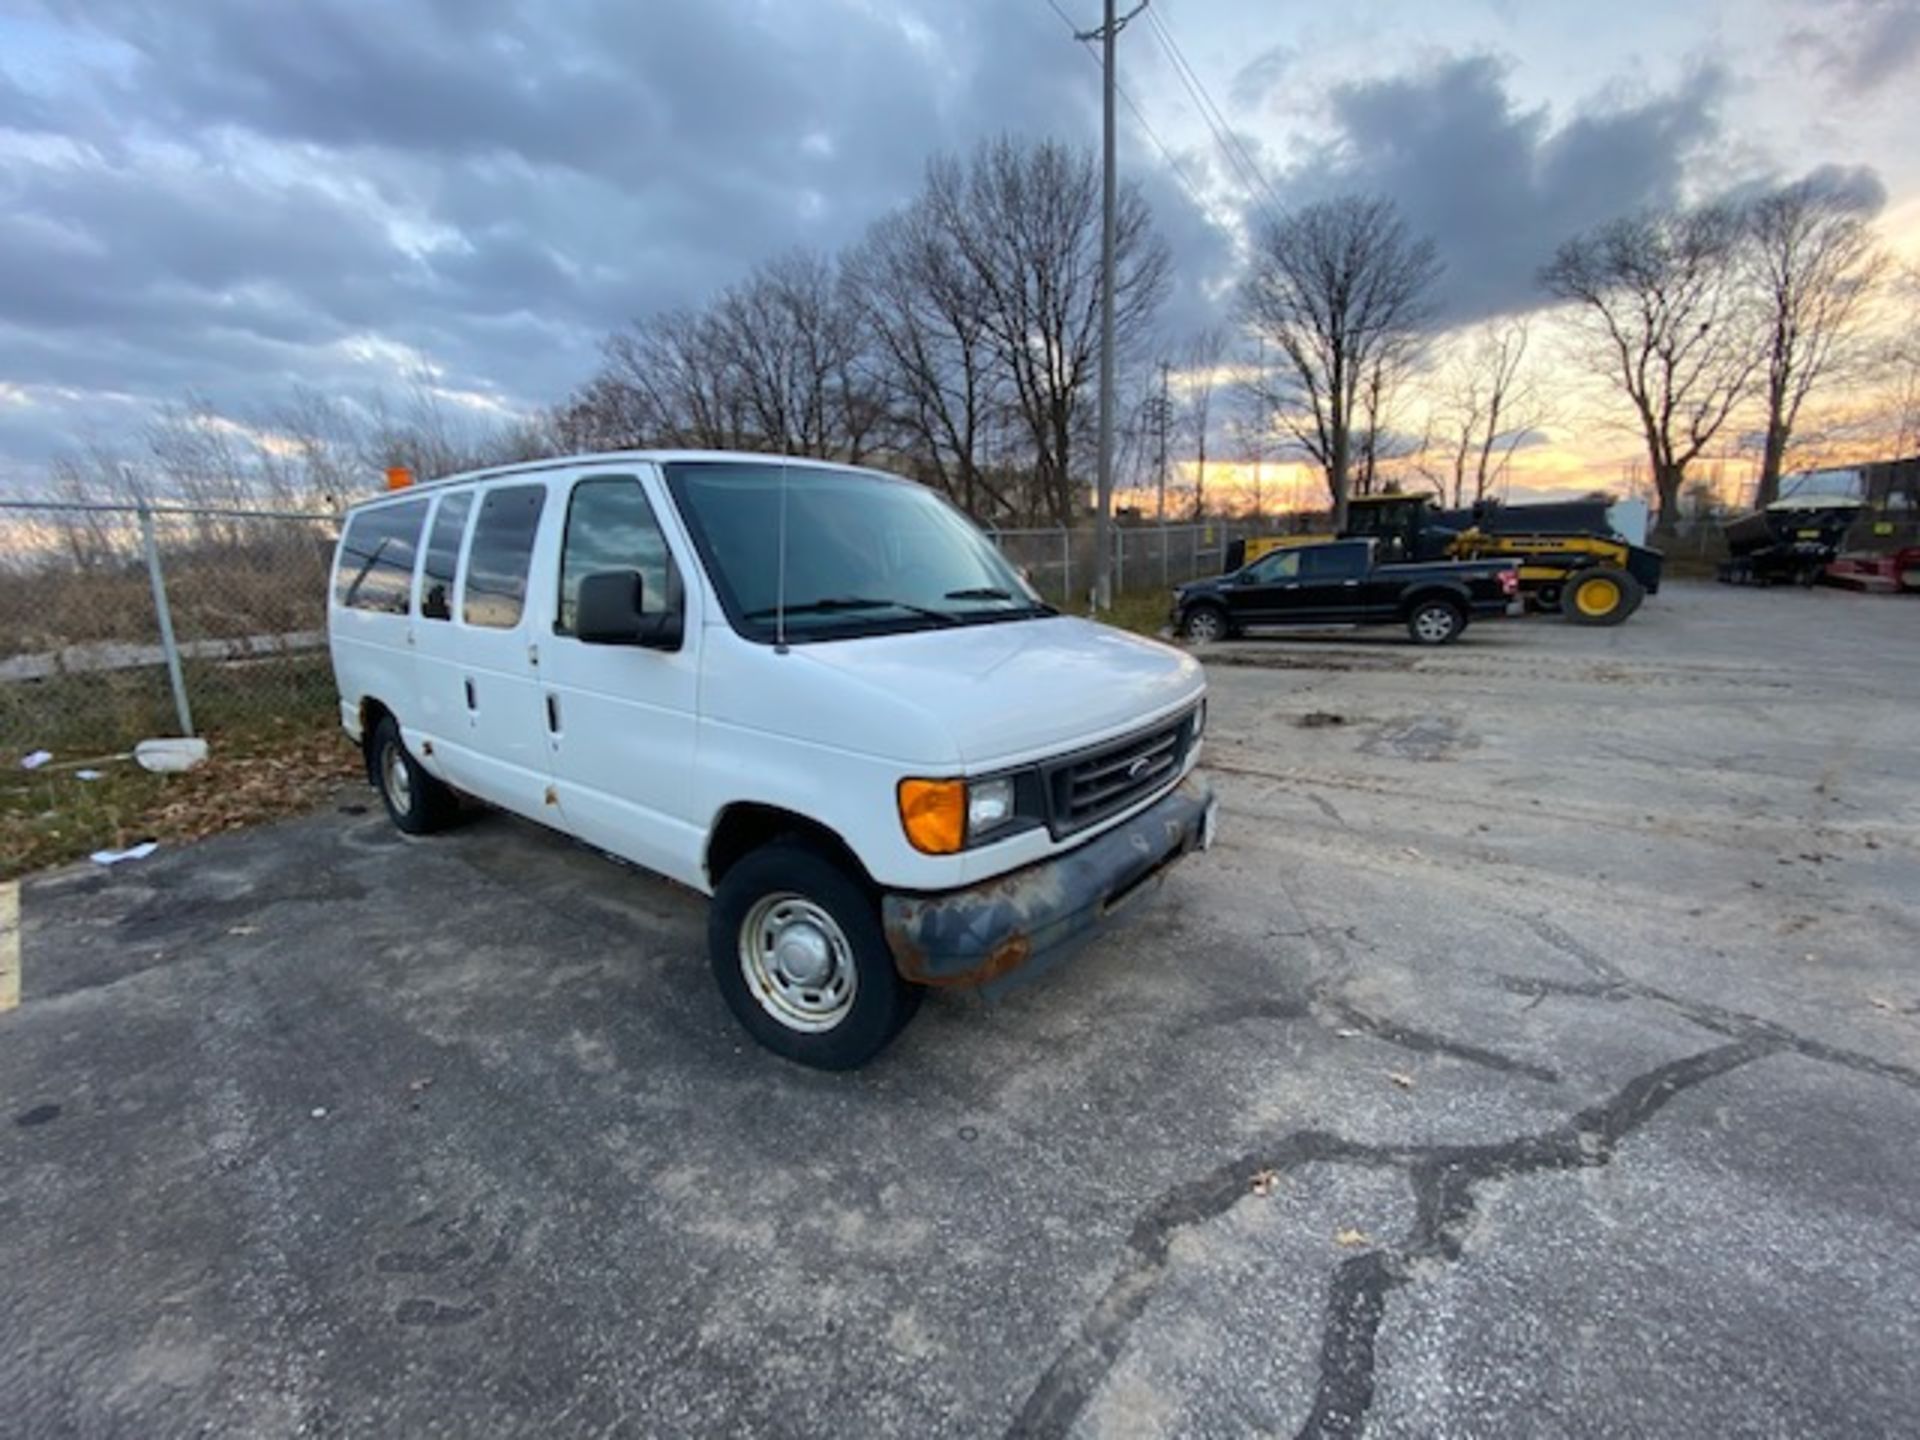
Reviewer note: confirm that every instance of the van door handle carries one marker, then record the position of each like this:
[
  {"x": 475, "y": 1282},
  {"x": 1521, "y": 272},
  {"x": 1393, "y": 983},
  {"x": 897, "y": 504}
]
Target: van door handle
[
  {"x": 553, "y": 712},
  {"x": 472, "y": 702}
]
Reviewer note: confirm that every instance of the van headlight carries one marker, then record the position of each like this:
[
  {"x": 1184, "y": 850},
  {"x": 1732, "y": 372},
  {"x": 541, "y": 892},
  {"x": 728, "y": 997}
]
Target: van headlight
[{"x": 989, "y": 805}]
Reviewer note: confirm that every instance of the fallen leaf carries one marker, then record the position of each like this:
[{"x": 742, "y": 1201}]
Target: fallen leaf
[
  {"x": 1351, "y": 1238},
  {"x": 1401, "y": 1078},
  {"x": 1265, "y": 1181}
]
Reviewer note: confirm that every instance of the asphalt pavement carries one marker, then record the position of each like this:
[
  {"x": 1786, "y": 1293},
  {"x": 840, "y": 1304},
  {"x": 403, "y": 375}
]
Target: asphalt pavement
[{"x": 1538, "y": 1052}]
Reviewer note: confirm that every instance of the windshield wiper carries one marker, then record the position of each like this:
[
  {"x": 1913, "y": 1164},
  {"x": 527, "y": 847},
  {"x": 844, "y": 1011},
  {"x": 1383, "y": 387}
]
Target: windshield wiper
[
  {"x": 980, "y": 592},
  {"x": 830, "y": 603}
]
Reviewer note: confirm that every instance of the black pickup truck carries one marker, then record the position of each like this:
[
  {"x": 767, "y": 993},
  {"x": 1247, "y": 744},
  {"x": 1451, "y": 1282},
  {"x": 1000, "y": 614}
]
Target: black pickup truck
[{"x": 1339, "y": 584}]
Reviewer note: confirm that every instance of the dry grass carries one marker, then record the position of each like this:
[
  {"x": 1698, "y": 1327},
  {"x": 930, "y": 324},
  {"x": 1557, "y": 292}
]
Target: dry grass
[{"x": 258, "y": 772}]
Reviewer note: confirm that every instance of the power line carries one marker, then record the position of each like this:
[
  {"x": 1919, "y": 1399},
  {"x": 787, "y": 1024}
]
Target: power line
[
  {"x": 1173, "y": 164},
  {"x": 1238, "y": 156}
]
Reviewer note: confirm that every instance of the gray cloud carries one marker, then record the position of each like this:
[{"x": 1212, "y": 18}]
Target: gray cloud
[
  {"x": 235, "y": 201},
  {"x": 1498, "y": 186},
  {"x": 1860, "y": 45}
]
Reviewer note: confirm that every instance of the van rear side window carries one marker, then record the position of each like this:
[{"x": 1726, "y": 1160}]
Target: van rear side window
[
  {"x": 376, "y": 558},
  {"x": 497, "y": 561},
  {"x": 443, "y": 553}
]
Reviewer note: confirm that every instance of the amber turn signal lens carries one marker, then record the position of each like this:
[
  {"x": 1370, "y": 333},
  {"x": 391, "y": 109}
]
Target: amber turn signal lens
[{"x": 934, "y": 814}]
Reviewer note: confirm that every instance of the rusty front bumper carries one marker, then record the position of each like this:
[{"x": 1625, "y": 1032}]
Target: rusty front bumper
[{"x": 1034, "y": 916}]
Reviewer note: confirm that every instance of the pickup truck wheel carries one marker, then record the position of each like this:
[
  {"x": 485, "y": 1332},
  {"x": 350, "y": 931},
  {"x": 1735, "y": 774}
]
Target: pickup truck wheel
[
  {"x": 1204, "y": 624},
  {"x": 1435, "y": 622},
  {"x": 415, "y": 801},
  {"x": 1601, "y": 595},
  {"x": 799, "y": 956}
]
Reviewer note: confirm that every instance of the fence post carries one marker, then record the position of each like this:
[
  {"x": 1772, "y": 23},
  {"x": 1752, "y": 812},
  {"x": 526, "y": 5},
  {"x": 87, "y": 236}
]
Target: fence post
[
  {"x": 1066, "y": 569},
  {"x": 1166, "y": 540},
  {"x": 1119, "y": 559},
  {"x": 165, "y": 616}
]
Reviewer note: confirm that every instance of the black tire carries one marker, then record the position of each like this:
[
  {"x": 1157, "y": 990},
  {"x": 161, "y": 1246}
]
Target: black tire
[
  {"x": 1547, "y": 599},
  {"x": 1600, "y": 595},
  {"x": 415, "y": 801},
  {"x": 1436, "y": 622},
  {"x": 826, "y": 1031},
  {"x": 1205, "y": 623}
]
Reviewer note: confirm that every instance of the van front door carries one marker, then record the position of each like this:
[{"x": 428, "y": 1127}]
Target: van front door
[{"x": 621, "y": 717}]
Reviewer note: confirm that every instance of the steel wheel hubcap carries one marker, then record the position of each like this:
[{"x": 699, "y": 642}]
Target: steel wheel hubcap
[
  {"x": 393, "y": 773},
  {"x": 1204, "y": 625},
  {"x": 1434, "y": 624},
  {"x": 797, "y": 963}
]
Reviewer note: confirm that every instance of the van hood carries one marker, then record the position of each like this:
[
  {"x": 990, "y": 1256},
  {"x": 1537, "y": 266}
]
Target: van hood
[{"x": 1018, "y": 689}]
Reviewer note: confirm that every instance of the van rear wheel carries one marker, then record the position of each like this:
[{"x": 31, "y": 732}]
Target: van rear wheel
[
  {"x": 798, "y": 953},
  {"x": 415, "y": 801}
]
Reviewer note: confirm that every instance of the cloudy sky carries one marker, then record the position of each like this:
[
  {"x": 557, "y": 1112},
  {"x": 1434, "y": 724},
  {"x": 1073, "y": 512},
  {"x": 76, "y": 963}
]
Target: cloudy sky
[{"x": 233, "y": 198}]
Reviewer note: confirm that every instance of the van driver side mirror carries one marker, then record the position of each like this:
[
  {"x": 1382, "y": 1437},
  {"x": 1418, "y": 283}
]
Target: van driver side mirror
[{"x": 612, "y": 611}]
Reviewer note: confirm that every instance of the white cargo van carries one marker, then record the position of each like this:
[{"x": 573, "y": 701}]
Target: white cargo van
[{"x": 816, "y": 693}]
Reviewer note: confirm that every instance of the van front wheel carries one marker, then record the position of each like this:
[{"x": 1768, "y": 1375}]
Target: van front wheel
[{"x": 797, "y": 951}]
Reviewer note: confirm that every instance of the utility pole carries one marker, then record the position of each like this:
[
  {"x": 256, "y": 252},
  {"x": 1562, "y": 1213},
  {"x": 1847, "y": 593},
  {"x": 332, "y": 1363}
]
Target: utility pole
[
  {"x": 1163, "y": 416},
  {"x": 1108, "y": 32}
]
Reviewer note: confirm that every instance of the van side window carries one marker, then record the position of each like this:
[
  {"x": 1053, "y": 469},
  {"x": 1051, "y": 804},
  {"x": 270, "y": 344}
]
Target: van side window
[
  {"x": 502, "y": 549},
  {"x": 443, "y": 552},
  {"x": 376, "y": 558},
  {"x": 610, "y": 526}
]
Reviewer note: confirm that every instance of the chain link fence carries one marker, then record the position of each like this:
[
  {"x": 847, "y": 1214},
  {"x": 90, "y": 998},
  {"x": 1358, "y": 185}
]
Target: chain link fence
[
  {"x": 1060, "y": 562},
  {"x": 119, "y": 622}
]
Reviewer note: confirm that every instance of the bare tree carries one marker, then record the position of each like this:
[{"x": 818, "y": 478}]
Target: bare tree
[
  {"x": 1200, "y": 374},
  {"x": 1812, "y": 262},
  {"x": 1488, "y": 406},
  {"x": 1025, "y": 218},
  {"x": 790, "y": 343},
  {"x": 933, "y": 356},
  {"x": 1341, "y": 289},
  {"x": 1659, "y": 299}
]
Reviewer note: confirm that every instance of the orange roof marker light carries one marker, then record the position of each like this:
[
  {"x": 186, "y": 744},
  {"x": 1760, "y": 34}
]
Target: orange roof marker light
[{"x": 399, "y": 477}]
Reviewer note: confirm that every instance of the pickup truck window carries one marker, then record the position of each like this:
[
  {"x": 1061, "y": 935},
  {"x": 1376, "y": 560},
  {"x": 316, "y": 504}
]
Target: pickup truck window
[
  {"x": 1334, "y": 562},
  {"x": 496, "y": 590},
  {"x": 610, "y": 526},
  {"x": 1280, "y": 565},
  {"x": 864, "y": 553},
  {"x": 376, "y": 558}
]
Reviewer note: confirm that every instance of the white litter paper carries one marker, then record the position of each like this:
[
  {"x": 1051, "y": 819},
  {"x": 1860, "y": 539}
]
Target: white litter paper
[
  {"x": 132, "y": 852},
  {"x": 86, "y": 774},
  {"x": 35, "y": 760}
]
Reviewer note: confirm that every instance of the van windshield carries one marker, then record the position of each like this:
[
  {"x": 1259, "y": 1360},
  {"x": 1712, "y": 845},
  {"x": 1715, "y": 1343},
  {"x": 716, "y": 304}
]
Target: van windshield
[{"x": 865, "y": 554}]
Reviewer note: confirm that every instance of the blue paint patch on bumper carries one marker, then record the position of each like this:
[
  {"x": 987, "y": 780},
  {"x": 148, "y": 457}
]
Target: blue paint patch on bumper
[{"x": 1033, "y": 917}]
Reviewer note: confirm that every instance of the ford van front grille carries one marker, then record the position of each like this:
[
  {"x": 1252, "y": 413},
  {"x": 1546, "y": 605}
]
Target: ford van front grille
[{"x": 1085, "y": 788}]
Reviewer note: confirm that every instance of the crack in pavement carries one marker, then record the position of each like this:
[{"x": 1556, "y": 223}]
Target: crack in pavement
[
  {"x": 1425, "y": 1042},
  {"x": 1443, "y": 1179},
  {"x": 1611, "y": 983}
]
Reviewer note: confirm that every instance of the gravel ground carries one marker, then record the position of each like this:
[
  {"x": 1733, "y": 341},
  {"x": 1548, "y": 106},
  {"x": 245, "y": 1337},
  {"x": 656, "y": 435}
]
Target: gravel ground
[{"x": 1537, "y": 1053}]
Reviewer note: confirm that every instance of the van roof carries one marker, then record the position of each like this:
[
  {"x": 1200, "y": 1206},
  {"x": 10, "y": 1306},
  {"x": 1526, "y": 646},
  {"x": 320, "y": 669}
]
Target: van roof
[{"x": 597, "y": 457}]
